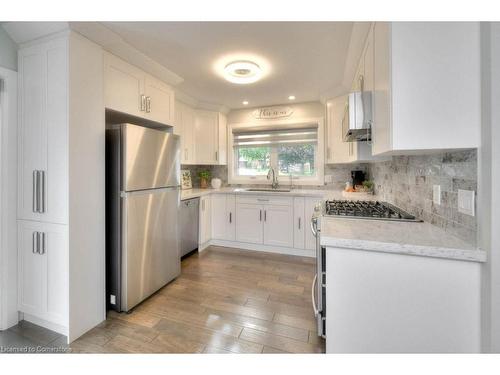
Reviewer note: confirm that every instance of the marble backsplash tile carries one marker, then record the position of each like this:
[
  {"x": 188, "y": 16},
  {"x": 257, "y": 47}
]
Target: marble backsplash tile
[{"x": 407, "y": 182}]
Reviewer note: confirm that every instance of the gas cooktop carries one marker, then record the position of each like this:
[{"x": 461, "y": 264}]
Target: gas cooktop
[{"x": 367, "y": 210}]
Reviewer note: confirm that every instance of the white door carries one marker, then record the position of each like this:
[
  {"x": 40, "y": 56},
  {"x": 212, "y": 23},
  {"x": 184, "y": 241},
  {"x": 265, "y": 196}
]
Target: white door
[
  {"x": 43, "y": 133},
  {"x": 205, "y": 220},
  {"x": 206, "y": 137},
  {"x": 30, "y": 277},
  {"x": 231, "y": 216},
  {"x": 55, "y": 253},
  {"x": 278, "y": 225},
  {"x": 187, "y": 137},
  {"x": 160, "y": 101},
  {"x": 298, "y": 223},
  {"x": 43, "y": 270},
  {"x": 123, "y": 86},
  {"x": 220, "y": 217},
  {"x": 310, "y": 240},
  {"x": 249, "y": 220}
]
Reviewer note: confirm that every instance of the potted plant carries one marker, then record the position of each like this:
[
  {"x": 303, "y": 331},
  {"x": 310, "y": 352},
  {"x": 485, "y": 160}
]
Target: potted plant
[{"x": 204, "y": 177}]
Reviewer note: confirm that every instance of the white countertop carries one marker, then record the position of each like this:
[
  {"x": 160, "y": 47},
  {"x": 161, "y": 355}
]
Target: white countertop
[
  {"x": 324, "y": 194},
  {"x": 411, "y": 238}
]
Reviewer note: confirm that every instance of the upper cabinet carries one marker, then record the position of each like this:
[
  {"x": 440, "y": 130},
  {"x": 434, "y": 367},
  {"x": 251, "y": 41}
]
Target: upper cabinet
[
  {"x": 203, "y": 135},
  {"x": 338, "y": 151},
  {"x": 128, "y": 89},
  {"x": 426, "y": 86}
]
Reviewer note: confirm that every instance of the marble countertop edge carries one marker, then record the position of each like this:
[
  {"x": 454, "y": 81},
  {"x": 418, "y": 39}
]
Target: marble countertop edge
[{"x": 472, "y": 255}]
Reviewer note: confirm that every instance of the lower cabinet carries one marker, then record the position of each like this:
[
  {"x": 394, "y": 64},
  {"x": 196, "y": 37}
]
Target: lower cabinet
[
  {"x": 249, "y": 223},
  {"x": 43, "y": 271},
  {"x": 223, "y": 217},
  {"x": 278, "y": 225},
  {"x": 205, "y": 220}
]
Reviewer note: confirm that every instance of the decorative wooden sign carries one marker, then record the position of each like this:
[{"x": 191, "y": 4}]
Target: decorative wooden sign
[{"x": 272, "y": 112}]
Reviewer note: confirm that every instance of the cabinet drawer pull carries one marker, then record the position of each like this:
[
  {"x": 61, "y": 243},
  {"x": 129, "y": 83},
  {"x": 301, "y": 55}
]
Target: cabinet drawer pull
[
  {"x": 43, "y": 243},
  {"x": 42, "y": 192},
  {"x": 299, "y": 222},
  {"x": 230, "y": 217},
  {"x": 265, "y": 215},
  {"x": 260, "y": 215},
  {"x": 262, "y": 200}
]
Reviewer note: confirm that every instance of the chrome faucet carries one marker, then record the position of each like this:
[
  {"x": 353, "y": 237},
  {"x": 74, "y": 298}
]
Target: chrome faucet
[{"x": 275, "y": 183}]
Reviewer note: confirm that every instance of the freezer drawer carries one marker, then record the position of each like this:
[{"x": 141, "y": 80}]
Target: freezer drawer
[
  {"x": 150, "y": 257},
  {"x": 189, "y": 222}
]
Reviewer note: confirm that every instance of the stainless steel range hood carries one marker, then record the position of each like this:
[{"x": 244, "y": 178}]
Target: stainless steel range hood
[{"x": 356, "y": 124}]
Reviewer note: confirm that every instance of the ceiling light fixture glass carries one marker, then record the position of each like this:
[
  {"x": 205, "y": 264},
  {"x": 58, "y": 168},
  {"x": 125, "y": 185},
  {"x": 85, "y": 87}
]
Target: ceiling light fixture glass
[
  {"x": 245, "y": 102},
  {"x": 242, "y": 72},
  {"x": 291, "y": 97}
]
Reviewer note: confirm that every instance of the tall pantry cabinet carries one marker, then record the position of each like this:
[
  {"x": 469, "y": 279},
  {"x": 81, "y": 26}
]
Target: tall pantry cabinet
[{"x": 61, "y": 184}]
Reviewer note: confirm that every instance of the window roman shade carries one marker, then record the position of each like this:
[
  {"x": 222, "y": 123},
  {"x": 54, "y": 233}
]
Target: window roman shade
[{"x": 273, "y": 137}]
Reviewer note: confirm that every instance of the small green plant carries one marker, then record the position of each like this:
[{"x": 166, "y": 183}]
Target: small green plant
[
  {"x": 204, "y": 175},
  {"x": 368, "y": 184}
]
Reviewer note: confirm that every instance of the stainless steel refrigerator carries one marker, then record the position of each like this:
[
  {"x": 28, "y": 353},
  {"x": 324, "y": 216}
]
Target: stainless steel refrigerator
[{"x": 142, "y": 208}]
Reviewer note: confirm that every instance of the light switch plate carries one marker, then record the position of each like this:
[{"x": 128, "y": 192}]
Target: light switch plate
[
  {"x": 466, "y": 202},
  {"x": 112, "y": 299},
  {"x": 436, "y": 194}
]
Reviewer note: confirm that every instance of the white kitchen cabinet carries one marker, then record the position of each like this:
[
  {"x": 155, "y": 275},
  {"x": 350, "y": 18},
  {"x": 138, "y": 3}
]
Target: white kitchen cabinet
[
  {"x": 427, "y": 86},
  {"x": 309, "y": 205},
  {"x": 338, "y": 151},
  {"x": 299, "y": 223},
  {"x": 43, "y": 271},
  {"x": 61, "y": 135},
  {"x": 249, "y": 223},
  {"x": 205, "y": 221},
  {"x": 43, "y": 146},
  {"x": 130, "y": 90},
  {"x": 278, "y": 225},
  {"x": 223, "y": 217},
  {"x": 184, "y": 126},
  {"x": 160, "y": 101},
  {"x": 124, "y": 86},
  {"x": 206, "y": 138},
  {"x": 222, "y": 133}
]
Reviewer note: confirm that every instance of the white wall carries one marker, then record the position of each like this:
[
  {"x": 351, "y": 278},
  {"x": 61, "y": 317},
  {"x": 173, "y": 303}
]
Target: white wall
[
  {"x": 8, "y": 198},
  {"x": 488, "y": 182},
  {"x": 8, "y": 51}
]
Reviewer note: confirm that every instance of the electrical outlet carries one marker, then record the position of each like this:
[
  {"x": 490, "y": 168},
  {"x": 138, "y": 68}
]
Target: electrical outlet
[
  {"x": 436, "y": 194},
  {"x": 466, "y": 202},
  {"x": 112, "y": 299},
  {"x": 328, "y": 178}
]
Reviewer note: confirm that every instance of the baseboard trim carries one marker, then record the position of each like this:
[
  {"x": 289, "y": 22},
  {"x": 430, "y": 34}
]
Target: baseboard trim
[
  {"x": 46, "y": 324},
  {"x": 263, "y": 248}
]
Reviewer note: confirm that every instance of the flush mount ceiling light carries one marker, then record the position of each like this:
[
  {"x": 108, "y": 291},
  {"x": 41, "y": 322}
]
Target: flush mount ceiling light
[
  {"x": 241, "y": 68},
  {"x": 291, "y": 97},
  {"x": 245, "y": 102}
]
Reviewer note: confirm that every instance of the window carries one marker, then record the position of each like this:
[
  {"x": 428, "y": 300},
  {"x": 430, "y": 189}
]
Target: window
[{"x": 291, "y": 150}]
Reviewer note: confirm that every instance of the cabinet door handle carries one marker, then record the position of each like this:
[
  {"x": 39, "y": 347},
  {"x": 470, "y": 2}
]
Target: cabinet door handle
[
  {"x": 230, "y": 217},
  {"x": 260, "y": 215},
  {"x": 38, "y": 242},
  {"x": 148, "y": 104},
  {"x": 265, "y": 215},
  {"x": 185, "y": 154},
  {"x": 216, "y": 156},
  {"x": 328, "y": 152},
  {"x": 33, "y": 243},
  {"x": 143, "y": 102},
  {"x": 43, "y": 243},
  {"x": 299, "y": 222},
  {"x": 42, "y": 191},
  {"x": 35, "y": 191}
]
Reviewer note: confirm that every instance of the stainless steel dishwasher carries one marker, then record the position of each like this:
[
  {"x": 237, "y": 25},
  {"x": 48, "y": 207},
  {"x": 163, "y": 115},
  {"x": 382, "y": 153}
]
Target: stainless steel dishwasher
[{"x": 189, "y": 225}]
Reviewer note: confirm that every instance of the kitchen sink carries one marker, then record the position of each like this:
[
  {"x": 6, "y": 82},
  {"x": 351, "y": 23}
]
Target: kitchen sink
[{"x": 270, "y": 190}]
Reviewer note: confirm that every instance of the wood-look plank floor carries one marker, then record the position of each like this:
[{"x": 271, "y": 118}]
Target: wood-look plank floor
[{"x": 225, "y": 301}]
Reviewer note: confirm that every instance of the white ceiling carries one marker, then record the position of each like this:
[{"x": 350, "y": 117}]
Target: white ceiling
[{"x": 307, "y": 58}]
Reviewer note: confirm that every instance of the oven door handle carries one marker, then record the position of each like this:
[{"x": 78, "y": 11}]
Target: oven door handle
[
  {"x": 315, "y": 308},
  {"x": 313, "y": 226}
]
